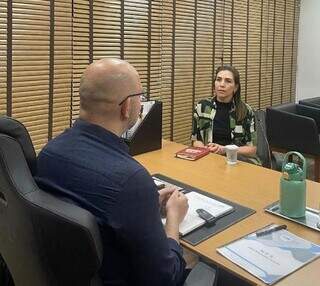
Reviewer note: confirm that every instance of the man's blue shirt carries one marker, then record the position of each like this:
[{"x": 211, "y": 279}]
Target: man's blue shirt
[{"x": 92, "y": 167}]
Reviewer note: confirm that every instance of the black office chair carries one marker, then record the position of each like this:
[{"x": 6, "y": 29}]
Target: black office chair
[
  {"x": 44, "y": 240},
  {"x": 201, "y": 275},
  {"x": 295, "y": 127},
  {"x": 268, "y": 159},
  {"x": 263, "y": 150},
  {"x": 313, "y": 102}
]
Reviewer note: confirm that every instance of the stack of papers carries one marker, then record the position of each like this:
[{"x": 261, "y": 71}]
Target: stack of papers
[{"x": 146, "y": 107}]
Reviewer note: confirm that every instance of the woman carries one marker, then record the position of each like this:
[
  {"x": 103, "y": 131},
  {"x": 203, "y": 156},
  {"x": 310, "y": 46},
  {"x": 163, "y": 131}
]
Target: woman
[{"x": 225, "y": 119}]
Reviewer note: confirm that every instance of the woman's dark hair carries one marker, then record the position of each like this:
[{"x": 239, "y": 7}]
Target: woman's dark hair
[{"x": 241, "y": 109}]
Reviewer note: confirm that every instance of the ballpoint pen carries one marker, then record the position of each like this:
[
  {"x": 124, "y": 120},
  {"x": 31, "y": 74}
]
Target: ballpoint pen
[{"x": 260, "y": 233}]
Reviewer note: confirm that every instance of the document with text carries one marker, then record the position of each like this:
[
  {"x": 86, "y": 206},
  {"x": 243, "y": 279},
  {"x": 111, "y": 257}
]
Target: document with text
[{"x": 271, "y": 257}]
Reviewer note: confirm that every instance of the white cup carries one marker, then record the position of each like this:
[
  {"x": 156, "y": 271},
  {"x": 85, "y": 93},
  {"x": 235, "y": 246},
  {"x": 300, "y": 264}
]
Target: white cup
[{"x": 231, "y": 152}]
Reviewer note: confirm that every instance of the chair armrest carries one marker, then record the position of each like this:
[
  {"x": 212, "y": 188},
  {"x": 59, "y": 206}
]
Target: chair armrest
[
  {"x": 201, "y": 275},
  {"x": 292, "y": 131},
  {"x": 311, "y": 112}
]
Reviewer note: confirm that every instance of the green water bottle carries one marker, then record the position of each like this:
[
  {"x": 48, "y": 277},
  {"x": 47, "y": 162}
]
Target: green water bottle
[{"x": 293, "y": 187}]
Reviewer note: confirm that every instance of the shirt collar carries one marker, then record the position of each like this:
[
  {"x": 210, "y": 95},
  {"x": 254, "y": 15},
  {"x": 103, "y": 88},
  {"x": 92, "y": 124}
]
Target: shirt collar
[
  {"x": 106, "y": 136},
  {"x": 233, "y": 105}
]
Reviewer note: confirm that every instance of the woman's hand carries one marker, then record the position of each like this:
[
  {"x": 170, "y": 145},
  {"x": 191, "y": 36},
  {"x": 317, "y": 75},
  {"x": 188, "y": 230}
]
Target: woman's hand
[{"x": 216, "y": 148}]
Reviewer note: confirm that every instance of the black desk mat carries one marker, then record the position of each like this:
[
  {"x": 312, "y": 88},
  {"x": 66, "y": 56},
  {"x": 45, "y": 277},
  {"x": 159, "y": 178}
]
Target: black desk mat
[{"x": 200, "y": 234}]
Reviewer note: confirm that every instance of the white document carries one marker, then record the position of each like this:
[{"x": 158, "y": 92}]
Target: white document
[
  {"x": 199, "y": 201},
  {"x": 147, "y": 105},
  {"x": 271, "y": 257}
]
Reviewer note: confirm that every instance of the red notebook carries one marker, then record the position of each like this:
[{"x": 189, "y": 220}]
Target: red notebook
[{"x": 192, "y": 153}]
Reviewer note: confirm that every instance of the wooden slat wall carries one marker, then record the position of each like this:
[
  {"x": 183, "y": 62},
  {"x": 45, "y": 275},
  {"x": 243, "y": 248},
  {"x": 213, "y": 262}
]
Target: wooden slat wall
[
  {"x": 218, "y": 33},
  {"x": 266, "y": 54},
  {"x": 36, "y": 87},
  {"x": 227, "y": 31},
  {"x": 136, "y": 38},
  {"x": 3, "y": 57},
  {"x": 252, "y": 95},
  {"x": 80, "y": 49},
  {"x": 106, "y": 29},
  {"x": 183, "y": 70},
  {"x": 30, "y": 66},
  {"x": 278, "y": 52},
  {"x": 295, "y": 48},
  {"x": 62, "y": 72},
  {"x": 287, "y": 51},
  {"x": 167, "y": 65},
  {"x": 204, "y": 47},
  {"x": 175, "y": 45},
  {"x": 239, "y": 41},
  {"x": 154, "y": 61}
]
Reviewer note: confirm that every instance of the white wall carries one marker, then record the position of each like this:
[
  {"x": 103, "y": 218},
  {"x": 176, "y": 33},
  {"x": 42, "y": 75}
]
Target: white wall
[{"x": 308, "y": 69}]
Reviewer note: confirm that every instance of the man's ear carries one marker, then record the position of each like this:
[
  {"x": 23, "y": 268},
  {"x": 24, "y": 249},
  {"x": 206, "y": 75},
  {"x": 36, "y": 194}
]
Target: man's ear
[{"x": 125, "y": 109}]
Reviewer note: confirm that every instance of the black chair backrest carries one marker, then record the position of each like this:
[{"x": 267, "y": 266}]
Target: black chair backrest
[
  {"x": 44, "y": 240},
  {"x": 16, "y": 130},
  {"x": 290, "y": 127},
  {"x": 311, "y": 112},
  {"x": 263, "y": 150},
  {"x": 313, "y": 102}
]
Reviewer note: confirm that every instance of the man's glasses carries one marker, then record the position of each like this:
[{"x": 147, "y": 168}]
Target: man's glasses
[{"x": 143, "y": 96}]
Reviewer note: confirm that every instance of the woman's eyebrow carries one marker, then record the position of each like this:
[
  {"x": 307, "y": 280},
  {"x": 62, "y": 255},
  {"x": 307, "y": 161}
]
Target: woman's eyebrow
[{"x": 226, "y": 78}]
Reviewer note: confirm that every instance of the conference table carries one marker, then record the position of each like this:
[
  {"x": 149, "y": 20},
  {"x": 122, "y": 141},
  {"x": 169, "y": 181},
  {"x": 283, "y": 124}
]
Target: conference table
[{"x": 249, "y": 185}]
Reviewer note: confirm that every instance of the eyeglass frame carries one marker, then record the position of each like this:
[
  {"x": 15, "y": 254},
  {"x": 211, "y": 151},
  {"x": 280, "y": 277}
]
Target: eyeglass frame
[{"x": 143, "y": 96}]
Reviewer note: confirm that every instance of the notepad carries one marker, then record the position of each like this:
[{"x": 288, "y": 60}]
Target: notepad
[{"x": 198, "y": 201}]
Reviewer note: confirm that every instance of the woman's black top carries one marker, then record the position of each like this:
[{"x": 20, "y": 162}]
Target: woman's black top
[{"x": 221, "y": 124}]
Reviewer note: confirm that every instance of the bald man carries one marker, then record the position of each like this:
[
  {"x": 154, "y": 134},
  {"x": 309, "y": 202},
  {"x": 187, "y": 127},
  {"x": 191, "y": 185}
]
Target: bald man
[{"x": 89, "y": 163}]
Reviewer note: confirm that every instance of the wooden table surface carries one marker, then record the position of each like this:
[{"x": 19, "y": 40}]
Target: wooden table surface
[{"x": 246, "y": 184}]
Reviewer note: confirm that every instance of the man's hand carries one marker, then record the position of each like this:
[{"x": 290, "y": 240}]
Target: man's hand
[
  {"x": 164, "y": 195},
  {"x": 176, "y": 210},
  {"x": 177, "y": 207}
]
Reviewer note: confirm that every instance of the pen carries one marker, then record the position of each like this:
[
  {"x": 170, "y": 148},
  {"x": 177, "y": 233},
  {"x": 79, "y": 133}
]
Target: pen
[{"x": 270, "y": 230}]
